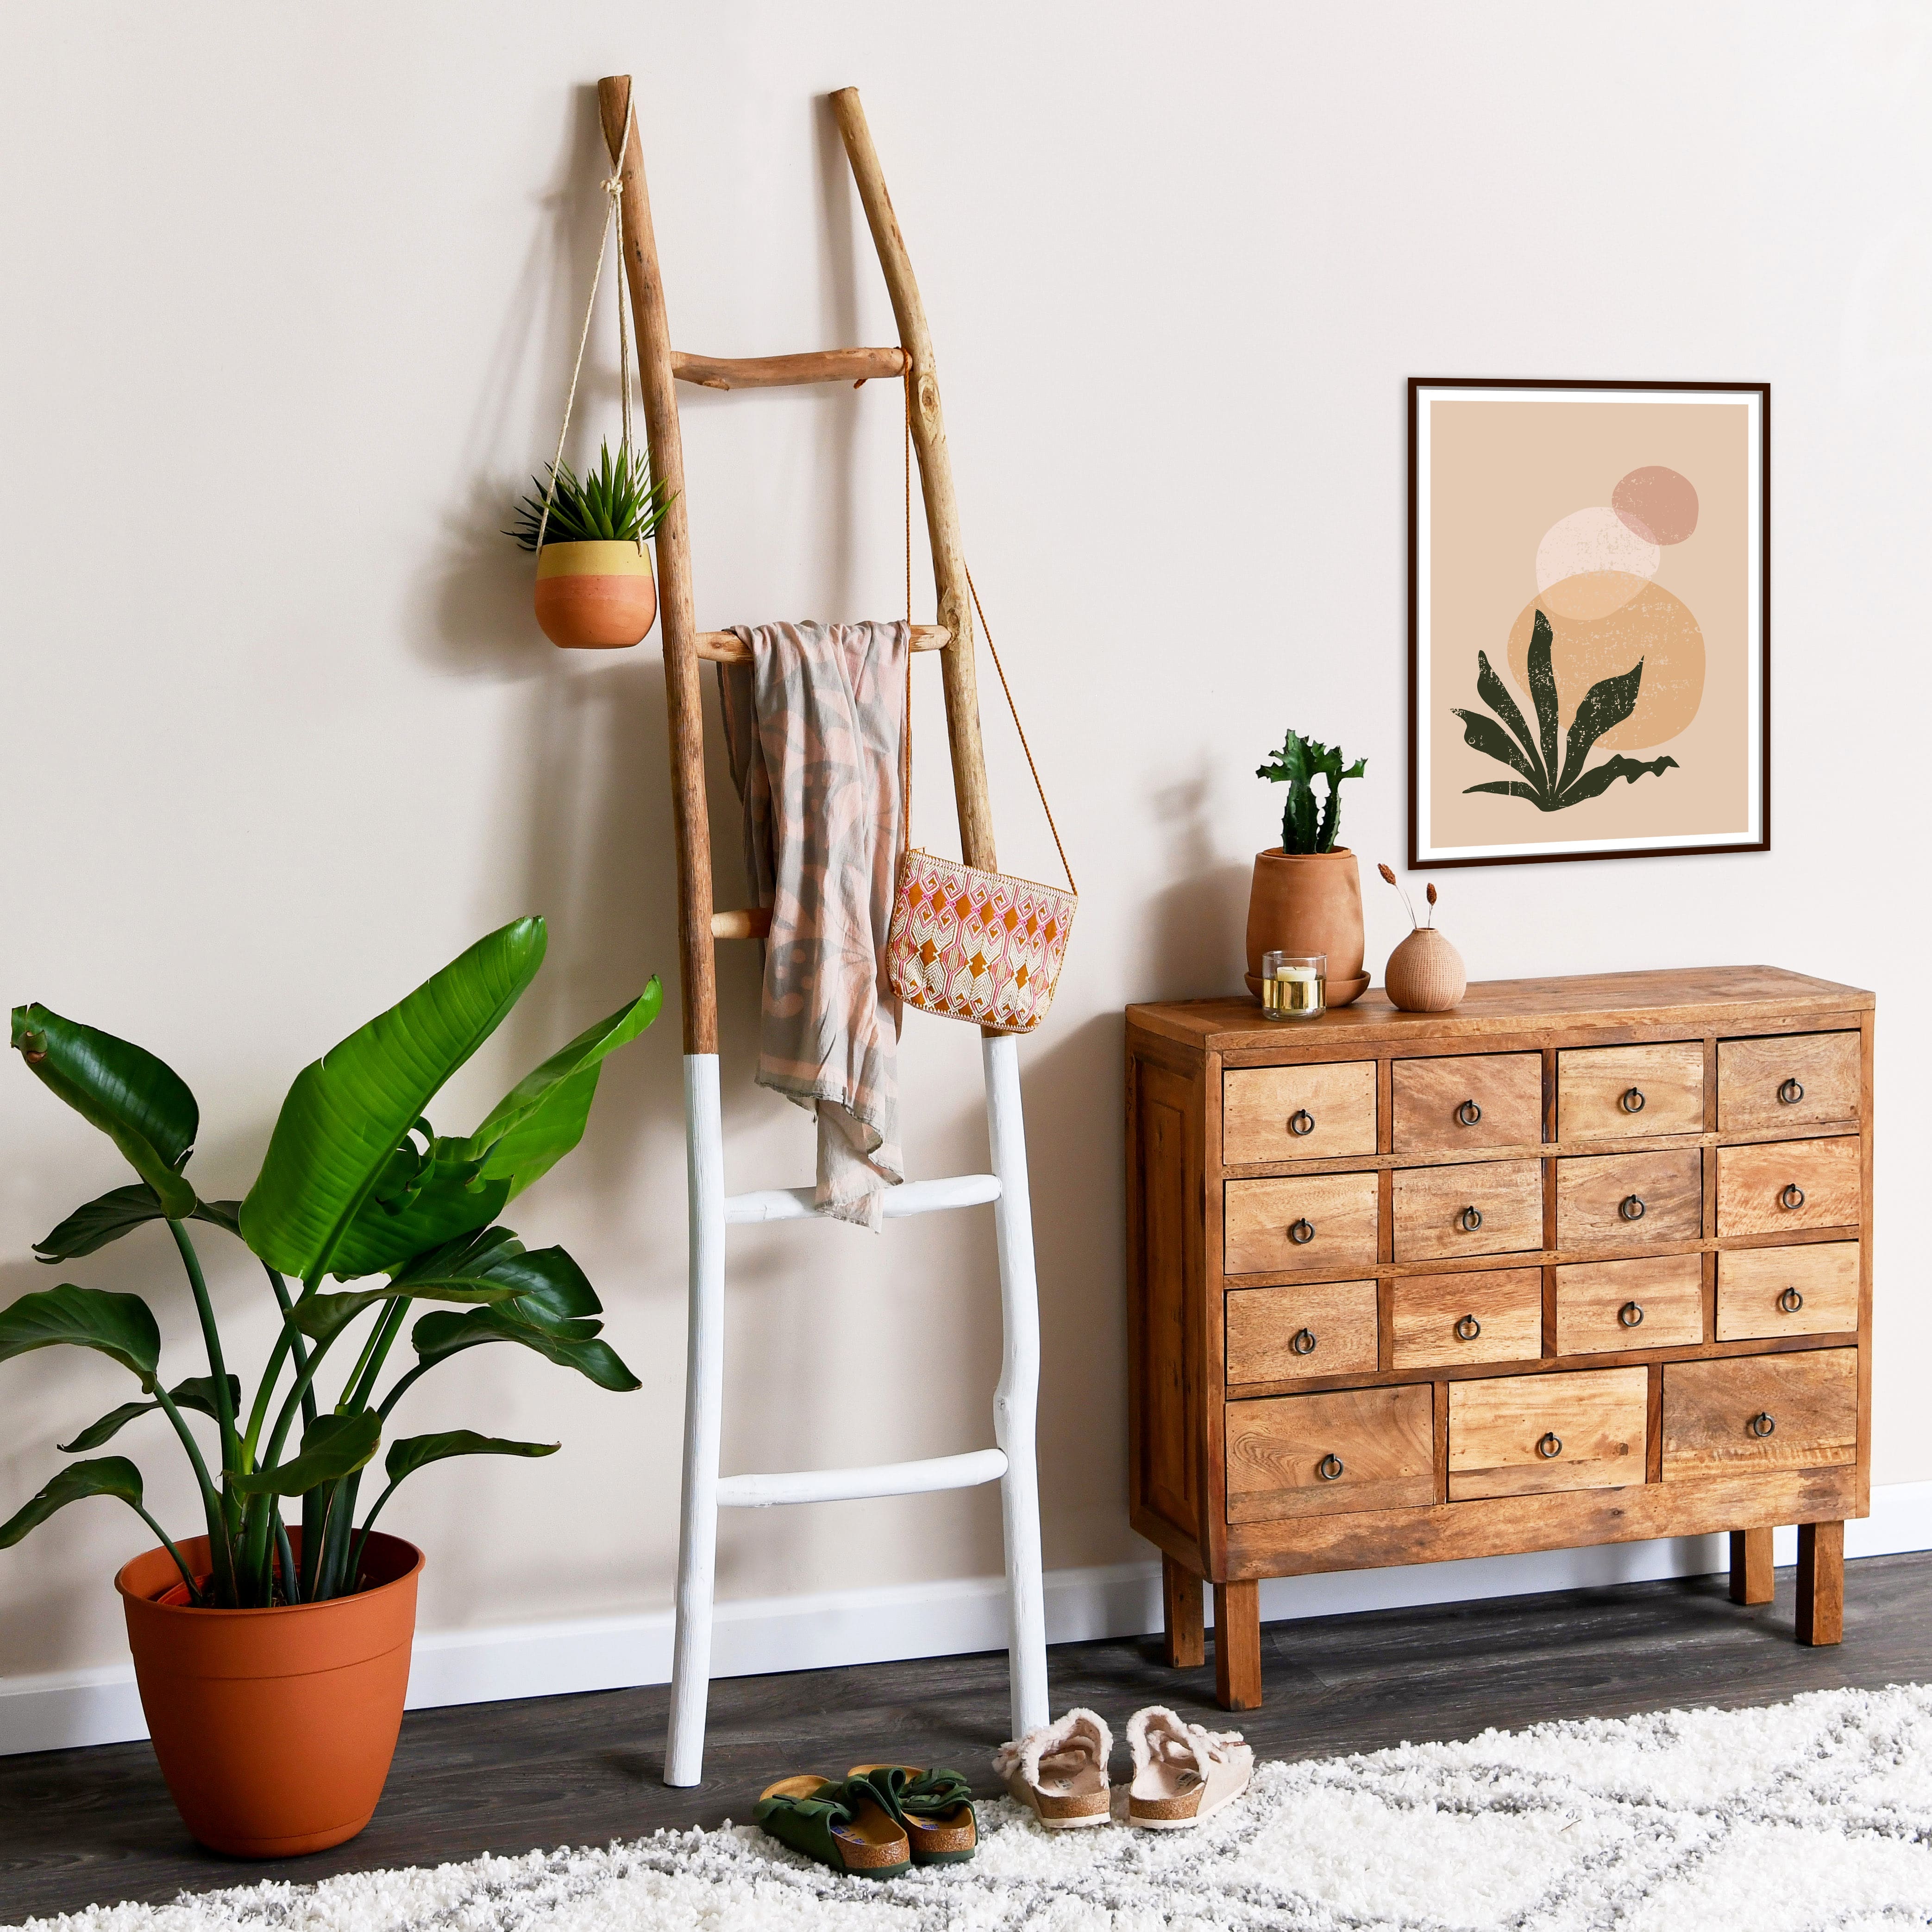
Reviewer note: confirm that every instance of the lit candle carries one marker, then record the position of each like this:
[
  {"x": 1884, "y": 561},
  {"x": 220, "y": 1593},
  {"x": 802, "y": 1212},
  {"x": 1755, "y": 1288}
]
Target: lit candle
[{"x": 1293, "y": 985}]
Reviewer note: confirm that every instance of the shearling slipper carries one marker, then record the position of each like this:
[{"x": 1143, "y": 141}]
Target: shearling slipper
[
  {"x": 1061, "y": 1771},
  {"x": 1182, "y": 1772}
]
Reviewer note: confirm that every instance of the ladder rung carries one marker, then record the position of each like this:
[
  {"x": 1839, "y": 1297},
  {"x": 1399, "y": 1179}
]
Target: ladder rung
[
  {"x": 770, "y": 372},
  {"x": 744, "y": 923},
  {"x": 726, "y": 646},
  {"x": 910, "y": 1197},
  {"x": 885, "y": 1479}
]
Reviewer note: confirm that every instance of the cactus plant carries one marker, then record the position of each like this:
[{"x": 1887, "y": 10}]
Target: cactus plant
[{"x": 1299, "y": 762}]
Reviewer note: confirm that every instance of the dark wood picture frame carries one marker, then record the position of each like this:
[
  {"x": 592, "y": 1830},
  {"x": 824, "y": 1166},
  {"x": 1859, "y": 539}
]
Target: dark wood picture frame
[{"x": 1762, "y": 391}]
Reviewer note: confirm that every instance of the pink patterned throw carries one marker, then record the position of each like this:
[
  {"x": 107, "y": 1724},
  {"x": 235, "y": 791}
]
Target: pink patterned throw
[{"x": 813, "y": 727}]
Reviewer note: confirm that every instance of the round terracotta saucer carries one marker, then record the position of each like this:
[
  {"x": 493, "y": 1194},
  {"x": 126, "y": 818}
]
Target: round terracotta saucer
[{"x": 1339, "y": 992}]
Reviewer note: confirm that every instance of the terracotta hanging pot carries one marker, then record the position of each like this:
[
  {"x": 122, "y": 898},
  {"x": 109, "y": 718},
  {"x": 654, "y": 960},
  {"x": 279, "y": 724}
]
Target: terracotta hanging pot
[
  {"x": 1309, "y": 902},
  {"x": 595, "y": 596},
  {"x": 275, "y": 1728},
  {"x": 1425, "y": 973}
]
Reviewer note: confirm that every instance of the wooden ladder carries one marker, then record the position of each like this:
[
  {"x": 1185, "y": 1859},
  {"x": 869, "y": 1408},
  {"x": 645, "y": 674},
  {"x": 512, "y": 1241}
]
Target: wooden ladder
[{"x": 1011, "y": 1463}]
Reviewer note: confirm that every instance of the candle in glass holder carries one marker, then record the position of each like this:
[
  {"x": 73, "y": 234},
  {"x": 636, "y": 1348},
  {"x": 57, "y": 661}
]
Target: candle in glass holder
[{"x": 1293, "y": 985}]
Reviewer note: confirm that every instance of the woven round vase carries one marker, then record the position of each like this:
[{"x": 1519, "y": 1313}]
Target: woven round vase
[{"x": 1425, "y": 973}]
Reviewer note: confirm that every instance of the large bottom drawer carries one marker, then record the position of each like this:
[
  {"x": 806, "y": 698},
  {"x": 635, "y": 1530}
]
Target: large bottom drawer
[
  {"x": 1793, "y": 1411},
  {"x": 1515, "y": 1435},
  {"x": 1355, "y": 1449}
]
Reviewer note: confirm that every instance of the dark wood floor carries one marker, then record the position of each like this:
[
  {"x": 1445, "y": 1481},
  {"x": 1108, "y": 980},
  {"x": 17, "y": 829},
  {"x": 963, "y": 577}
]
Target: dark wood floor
[{"x": 83, "y": 1827}]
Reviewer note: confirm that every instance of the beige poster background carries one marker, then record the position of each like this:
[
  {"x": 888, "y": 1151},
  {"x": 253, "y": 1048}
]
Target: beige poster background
[{"x": 1500, "y": 473}]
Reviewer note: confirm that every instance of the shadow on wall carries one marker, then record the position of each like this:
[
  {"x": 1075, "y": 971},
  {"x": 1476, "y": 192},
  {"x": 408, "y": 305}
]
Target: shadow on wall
[{"x": 1200, "y": 922}]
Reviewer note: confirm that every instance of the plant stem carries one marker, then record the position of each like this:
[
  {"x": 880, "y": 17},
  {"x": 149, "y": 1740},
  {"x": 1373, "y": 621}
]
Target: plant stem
[
  {"x": 168, "y": 1544},
  {"x": 291, "y": 1581},
  {"x": 298, "y": 1347},
  {"x": 217, "y": 1369},
  {"x": 220, "y": 1550},
  {"x": 368, "y": 1524},
  {"x": 352, "y": 1381},
  {"x": 380, "y": 1343}
]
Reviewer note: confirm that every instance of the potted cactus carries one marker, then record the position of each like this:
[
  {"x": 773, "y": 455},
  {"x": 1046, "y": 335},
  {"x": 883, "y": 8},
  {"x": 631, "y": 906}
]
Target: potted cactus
[
  {"x": 272, "y": 1651},
  {"x": 1306, "y": 896},
  {"x": 594, "y": 590}
]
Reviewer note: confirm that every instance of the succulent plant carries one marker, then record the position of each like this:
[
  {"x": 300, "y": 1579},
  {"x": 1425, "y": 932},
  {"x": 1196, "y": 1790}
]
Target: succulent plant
[
  {"x": 1299, "y": 761},
  {"x": 616, "y": 502}
]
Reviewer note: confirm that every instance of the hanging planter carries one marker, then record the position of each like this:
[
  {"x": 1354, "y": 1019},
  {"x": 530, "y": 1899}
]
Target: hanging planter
[{"x": 594, "y": 590}]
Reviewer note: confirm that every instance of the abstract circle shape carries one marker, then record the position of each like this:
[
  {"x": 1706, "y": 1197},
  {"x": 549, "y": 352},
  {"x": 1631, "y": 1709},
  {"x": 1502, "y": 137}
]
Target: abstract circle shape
[
  {"x": 1656, "y": 505},
  {"x": 1598, "y": 545},
  {"x": 1654, "y": 627}
]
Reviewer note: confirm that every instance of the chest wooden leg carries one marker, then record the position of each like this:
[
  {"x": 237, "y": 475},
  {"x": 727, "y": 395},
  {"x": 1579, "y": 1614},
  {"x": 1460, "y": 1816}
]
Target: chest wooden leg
[
  {"x": 1181, "y": 1606},
  {"x": 1821, "y": 1582},
  {"x": 1237, "y": 1646},
  {"x": 1750, "y": 1566}
]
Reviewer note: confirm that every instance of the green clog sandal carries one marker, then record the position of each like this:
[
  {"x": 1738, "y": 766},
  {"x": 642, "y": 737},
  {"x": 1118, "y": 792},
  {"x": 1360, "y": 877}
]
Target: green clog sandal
[
  {"x": 845, "y": 1826},
  {"x": 935, "y": 1807}
]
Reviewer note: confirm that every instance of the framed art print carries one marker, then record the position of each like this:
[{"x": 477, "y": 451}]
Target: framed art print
[{"x": 1589, "y": 625}]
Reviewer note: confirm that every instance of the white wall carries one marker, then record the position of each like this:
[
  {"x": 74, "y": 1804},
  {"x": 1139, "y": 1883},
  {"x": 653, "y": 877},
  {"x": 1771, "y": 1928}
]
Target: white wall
[{"x": 287, "y": 304}]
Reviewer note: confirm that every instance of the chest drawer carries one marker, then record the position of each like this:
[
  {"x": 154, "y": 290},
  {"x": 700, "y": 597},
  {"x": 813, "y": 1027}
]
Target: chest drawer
[
  {"x": 1618, "y": 1093},
  {"x": 1297, "y": 1113},
  {"x": 1328, "y": 1328},
  {"x": 1602, "y": 1306},
  {"x": 1790, "y": 1080},
  {"x": 1807, "y": 1291},
  {"x": 1522, "y": 1435},
  {"x": 1472, "y": 1100},
  {"x": 1630, "y": 1200},
  {"x": 1486, "y": 1315},
  {"x": 1765, "y": 1189},
  {"x": 1479, "y": 1208},
  {"x": 1355, "y": 1449},
  {"x": 1795, "y": 1411},
  {"x": 1304, "y": 1221}
]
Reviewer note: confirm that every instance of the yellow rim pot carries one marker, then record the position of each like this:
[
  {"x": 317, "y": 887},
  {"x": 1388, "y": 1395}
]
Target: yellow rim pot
[{"x": 595, "y": 596}]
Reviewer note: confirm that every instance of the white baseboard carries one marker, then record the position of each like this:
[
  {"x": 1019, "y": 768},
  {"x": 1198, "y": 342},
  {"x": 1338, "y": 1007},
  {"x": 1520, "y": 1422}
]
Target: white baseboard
[{"x": 65, "y": 1708}]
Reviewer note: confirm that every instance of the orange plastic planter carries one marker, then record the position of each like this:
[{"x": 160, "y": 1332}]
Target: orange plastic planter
[
  {"x": 275, "y": 1728},
  {"x": 595, "y": 596}
]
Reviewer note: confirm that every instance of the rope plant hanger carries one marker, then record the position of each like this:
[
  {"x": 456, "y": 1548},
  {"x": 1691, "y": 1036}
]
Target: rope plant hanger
[{"x": 594, "y": 590}]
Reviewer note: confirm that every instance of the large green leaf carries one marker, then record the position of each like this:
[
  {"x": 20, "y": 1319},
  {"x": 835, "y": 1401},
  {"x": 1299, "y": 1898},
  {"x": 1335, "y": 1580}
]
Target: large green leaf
[
  {"x": 119, "y": 1325},
  {"x": 542, "y": 1117},
  {"x": 197, "y": 1393},
  {"x": 549, "y": 1289},
  {"x": 437, "y": 1337},
  {"x": 105, "y": 1476},
  {"x": 411, "y": 1452},
  {"x": 141, "y": 1103},
  {"x": 118, "y": 1212},
  {"x": 334, "y": 1446},
  {"x": 347, "y": 1113},
  {"x": 425, "y": 1198}
]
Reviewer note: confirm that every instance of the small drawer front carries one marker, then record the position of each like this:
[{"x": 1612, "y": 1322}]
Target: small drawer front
[
  {"x": 1630, "y": 1200},
  {"x": 1790, "y": 1080},
  {"x": 1520, "y": 1435},
  {"x": 1312, "y": 1221},
  {"x": 1297, "y": 1113},
  {"x": 1488, "y": 1315},
  {"x": 1604, "y": 1306},
  {"x": 1807, "y": 1290},
  {"x": 1275, "y": 1334},
  {"x": 1472, "y": 1100},
  {"x": 1768, "y": 1189},
  {"x": 1794, "y": 1412},
  {"x": 1306, "y": 1455},
  {"x": 1620, "y": 1092},
  {"x": 1481, "y": 1207}
]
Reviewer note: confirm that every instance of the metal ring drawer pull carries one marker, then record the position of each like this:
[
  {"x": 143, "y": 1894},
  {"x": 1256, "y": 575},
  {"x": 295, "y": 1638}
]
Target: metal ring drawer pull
[
  {"x": 1302, "y": 1342},
  {"x": 1631, "y": 1315},
  {"x": 1330, "y": 1467},
  {"x": 1469, "y": 1113},
  {"x": 1791, "y": 1092},
  {"x": 1300, "y": 1122},
  {"x": 1301, "y": 1232},
  {"x": 1791, "y": 1301},
  {"x": 1792, "y": 1195},
  {"x": 1762, "y": 1423},
  {"x": 1631, "y": 1207},
  {"x": 1470, "y": 1220},
  {"x": 1468, "y": 1329},
  {"x": 1551, "y": 1447},
  {"x": 1632, "y": 1102}
]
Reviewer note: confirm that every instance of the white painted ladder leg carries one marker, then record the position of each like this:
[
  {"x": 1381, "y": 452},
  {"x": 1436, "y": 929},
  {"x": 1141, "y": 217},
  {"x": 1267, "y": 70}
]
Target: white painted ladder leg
[
  {"x": 703, "y": 1408},
  {"x": 1016, "y": 1401}
]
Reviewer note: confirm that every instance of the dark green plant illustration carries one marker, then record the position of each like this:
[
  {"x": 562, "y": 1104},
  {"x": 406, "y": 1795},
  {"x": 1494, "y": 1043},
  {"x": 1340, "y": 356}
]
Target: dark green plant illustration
[
  {"x": 1300, "y": 761},
  {"x": 1549, "y": 784}
]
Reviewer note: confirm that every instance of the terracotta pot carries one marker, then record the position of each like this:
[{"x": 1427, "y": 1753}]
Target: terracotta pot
[
  {"x": 595, "y": 596},
  {"x": 1309, "y": 902},
  {"x": 275, "y": 1728},
  {"x": 1425, "y": 973}
]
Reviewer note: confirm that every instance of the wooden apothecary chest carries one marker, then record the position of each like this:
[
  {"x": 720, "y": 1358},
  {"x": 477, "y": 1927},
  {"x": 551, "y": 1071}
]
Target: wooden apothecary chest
[{"x": 1584, "y": 1260}]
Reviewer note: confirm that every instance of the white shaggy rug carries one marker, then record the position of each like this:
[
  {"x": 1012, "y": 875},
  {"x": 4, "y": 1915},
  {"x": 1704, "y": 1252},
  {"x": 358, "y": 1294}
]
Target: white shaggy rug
[{"x": 1816, "y": 1814}]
